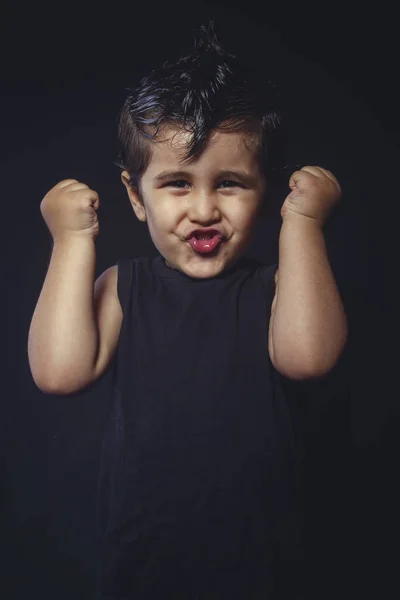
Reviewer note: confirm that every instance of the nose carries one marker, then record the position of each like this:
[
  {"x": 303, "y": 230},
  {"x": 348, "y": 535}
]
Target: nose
[{"x": 203, "y": 208}]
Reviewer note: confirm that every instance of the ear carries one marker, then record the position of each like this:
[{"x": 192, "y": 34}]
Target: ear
[{"x": 134, "y": 197}]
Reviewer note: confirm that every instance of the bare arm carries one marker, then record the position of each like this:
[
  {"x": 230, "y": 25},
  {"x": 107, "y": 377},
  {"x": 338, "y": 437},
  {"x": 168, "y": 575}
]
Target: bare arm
[
  {"x": 308, "y": 325},
  {"x": 63, "y": 338}
]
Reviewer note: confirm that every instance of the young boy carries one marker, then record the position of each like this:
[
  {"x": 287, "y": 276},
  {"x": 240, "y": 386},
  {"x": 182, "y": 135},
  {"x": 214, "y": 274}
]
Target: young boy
[{"x": 200, "y": 459}]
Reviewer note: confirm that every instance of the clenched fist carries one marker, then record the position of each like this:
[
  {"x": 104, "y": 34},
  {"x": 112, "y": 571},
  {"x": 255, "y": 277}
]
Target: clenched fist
[
  {"x": 315, "y": 193},
  {"x": 69, "y": 208}
]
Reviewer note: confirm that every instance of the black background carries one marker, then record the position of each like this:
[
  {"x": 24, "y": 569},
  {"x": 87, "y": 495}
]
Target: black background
[{"x": 63, "y": 79}]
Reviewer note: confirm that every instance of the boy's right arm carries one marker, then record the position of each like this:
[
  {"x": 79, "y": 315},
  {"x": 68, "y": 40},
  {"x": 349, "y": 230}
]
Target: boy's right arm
[{"x": 76, "y": 323}]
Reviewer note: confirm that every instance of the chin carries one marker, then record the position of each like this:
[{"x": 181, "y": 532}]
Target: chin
[
  {"x": 205, "y": 266},
  {"x": 202, "y": 268}
]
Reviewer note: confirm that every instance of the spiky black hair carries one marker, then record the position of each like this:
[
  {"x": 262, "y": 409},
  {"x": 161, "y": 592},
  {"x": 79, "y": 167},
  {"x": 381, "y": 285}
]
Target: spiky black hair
[{"x": 204, "y": 90}]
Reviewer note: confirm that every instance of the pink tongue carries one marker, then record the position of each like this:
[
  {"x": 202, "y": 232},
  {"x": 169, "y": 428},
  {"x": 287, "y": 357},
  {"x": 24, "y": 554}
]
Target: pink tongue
[{"x": 205, "y": 245}]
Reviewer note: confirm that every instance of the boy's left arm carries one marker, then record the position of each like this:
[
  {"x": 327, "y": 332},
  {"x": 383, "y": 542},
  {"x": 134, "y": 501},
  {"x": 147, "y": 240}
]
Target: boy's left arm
[{"x": 308, "y": 325}]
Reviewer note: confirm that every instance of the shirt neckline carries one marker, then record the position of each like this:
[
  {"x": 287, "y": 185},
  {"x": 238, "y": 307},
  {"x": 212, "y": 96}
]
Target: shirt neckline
[{"x": 160, "y": 267}]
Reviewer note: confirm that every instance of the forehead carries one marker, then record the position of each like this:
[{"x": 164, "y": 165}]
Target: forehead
[{"x": 224, "y": 150}]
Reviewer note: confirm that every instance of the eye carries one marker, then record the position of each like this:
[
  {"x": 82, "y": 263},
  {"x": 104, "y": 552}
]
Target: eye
[
  {"x": 229, "y": 183},
  {"x": 179, "y": 183}
]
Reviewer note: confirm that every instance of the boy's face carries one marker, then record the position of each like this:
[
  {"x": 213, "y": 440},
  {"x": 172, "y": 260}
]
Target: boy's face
[{"x": 223, "y": 189}]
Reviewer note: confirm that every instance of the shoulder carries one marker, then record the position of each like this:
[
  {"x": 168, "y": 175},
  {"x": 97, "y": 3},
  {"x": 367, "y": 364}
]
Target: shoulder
[
  {"x": 108, "y": 314},
  {"x": 106, "y": 285},
  {"x": 269, "y": 273},
  {"x": 108, "y": 277}
]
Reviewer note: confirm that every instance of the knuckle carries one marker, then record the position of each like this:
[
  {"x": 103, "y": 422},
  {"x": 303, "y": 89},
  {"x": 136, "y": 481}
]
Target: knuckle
[{"x": 67, "y": 182}]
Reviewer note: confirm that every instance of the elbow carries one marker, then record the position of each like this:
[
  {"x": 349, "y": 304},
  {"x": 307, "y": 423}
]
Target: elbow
[
  {"x": 52, "y": 389},
  {"x": 52, "y": 379},
  {"x": 298, "y": 372},
  {"x": 56, "y": 386},
  {"x": 308, "y": 357},
  {"x": 305, "y": 367},
  {"x": 306, "y": 363}
]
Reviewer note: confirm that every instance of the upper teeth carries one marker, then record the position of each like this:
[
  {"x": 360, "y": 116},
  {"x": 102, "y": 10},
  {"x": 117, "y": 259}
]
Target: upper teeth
[{"x": 205, "y": 236}]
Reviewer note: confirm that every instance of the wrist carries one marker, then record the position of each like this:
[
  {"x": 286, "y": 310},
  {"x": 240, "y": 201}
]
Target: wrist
[
  {"x": 71, "y": 238},
  {"x": 292, "y": 219}
]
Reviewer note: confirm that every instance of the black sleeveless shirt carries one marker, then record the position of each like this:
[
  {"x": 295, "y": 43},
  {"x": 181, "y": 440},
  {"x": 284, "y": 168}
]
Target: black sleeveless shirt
[{"x": 201, "y": 458}]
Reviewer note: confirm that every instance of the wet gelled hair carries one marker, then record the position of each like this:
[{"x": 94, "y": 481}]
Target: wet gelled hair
[{"x": 206, "y": 90}]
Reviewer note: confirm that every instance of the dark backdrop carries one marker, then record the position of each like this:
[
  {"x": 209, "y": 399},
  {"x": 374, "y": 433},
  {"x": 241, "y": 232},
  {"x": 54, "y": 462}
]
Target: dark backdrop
[{"x": 64, "y": 75}]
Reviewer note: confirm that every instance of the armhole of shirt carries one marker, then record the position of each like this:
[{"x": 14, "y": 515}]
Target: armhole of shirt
[
  {"x": 124, "y": 281},
  {"x": 268, "y": 278}
]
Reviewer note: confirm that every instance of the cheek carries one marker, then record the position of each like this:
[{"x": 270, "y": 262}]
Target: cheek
[
  {"x": 163, "y": 214},
  {"x": 243, "y": 214}
]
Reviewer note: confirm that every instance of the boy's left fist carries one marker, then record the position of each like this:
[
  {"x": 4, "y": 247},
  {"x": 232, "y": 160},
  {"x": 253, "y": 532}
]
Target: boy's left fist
[{"x": 315, "y": 193}]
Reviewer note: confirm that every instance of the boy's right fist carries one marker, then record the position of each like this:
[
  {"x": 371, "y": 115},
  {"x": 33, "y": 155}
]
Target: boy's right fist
[{"x": 69, "y": 208}]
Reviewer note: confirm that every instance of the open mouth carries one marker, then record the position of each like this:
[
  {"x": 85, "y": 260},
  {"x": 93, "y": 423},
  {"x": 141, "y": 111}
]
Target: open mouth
[{"x": 205, "y": 243}]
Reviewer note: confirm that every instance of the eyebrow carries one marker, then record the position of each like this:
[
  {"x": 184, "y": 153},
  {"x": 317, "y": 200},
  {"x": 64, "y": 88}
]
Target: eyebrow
[{"x": 243, "y": 176}]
